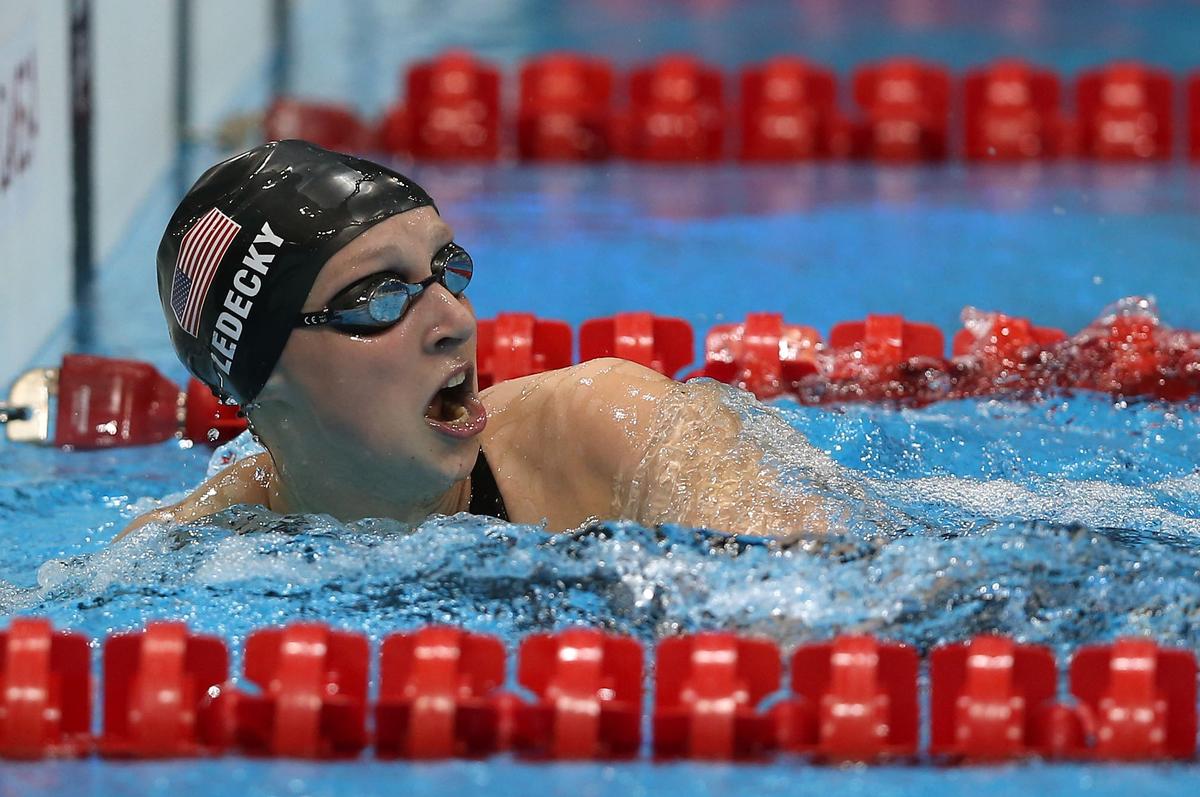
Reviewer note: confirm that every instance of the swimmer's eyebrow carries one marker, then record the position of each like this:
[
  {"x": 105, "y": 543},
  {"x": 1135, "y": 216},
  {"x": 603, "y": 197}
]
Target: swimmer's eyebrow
[{"x": 440, "y": 236}]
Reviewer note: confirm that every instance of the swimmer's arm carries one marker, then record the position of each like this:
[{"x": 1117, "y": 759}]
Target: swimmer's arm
[{"x": 244, "y": 482}]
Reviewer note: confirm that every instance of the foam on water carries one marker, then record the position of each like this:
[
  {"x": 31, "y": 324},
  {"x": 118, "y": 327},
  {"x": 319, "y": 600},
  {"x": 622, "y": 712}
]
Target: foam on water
[{"x": 1061, "y": 521}]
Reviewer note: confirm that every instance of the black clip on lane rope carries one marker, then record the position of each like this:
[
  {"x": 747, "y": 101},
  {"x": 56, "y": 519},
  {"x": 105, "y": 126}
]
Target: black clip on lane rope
[{"x": 8, "y": 413}]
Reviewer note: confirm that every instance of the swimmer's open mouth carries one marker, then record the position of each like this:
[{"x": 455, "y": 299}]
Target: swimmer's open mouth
[
  {"x": 455, "y": 409},
  {"x": 447, "y": 404}
]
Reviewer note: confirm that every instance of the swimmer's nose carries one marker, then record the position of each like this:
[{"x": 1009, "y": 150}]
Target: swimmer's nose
[{"x": 450, "y": 321}]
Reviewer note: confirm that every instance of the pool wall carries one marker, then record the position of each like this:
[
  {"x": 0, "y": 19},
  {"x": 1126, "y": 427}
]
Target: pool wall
[
  {"x": 106, "y": 76},
  {"x": 33, "y": 37}
]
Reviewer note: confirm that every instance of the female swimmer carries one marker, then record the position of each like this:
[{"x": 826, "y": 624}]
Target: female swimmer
[{"x": 325, "y": 295}]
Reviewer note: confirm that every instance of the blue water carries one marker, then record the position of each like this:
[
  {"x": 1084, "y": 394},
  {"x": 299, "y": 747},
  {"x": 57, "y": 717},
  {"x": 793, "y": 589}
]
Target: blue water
[
  {"x": 504, "y": 777},
  {"x": 1064, "y": 521}
]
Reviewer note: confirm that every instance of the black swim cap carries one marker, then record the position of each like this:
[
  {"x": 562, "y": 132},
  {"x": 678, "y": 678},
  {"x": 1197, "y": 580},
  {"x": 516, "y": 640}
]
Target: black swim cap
[{"x": 245, "y": 246}]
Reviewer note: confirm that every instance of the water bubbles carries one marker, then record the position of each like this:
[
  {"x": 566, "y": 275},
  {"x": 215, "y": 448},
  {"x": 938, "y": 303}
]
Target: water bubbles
[
  {"x": 52, "y": 573},
  {"x": 243, "y": 446}
]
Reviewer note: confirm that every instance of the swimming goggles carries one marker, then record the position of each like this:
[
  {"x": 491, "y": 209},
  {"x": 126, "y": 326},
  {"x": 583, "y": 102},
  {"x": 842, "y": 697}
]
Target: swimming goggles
[{"x": 378, "y": 302}]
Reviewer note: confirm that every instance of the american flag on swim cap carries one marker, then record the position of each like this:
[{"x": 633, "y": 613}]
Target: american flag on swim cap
[{"x": 200, "y": 252}]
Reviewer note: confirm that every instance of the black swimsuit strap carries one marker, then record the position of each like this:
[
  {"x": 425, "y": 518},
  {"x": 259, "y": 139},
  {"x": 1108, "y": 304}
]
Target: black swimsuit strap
[{"x": 485, "y": 495}]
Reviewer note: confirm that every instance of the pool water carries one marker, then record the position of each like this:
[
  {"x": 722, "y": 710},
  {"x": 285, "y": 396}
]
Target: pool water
[
  {"x": 1066, "y": 520},
  {"x": 1061, "y": 522}
]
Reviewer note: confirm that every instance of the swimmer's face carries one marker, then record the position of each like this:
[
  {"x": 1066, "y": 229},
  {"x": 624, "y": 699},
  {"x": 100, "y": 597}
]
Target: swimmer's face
[{"x": 366, "y": 399}]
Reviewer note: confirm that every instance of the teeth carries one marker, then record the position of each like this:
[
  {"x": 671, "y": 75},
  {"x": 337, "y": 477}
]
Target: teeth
[{"x": 458, "y": 380}]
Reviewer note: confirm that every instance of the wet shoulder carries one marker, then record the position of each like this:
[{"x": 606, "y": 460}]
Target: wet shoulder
[
  {"x": 601, "y": 389},
  {"x": 601, "y": 411}
]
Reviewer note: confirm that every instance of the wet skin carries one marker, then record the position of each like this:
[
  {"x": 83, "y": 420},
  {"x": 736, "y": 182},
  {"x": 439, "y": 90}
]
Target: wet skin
[
  {"x": 552, "y": 465},
  {"x": 344, "y": 416}
]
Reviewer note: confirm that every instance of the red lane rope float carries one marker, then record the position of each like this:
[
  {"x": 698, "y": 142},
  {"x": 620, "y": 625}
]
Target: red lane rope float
[
  {"x": 787, "y": 111},
  {"x": 1138, "y": 700},
  {"x": 707, "y": 691},
  {"x": 438, "y": 695},
  {"x": 519, "y": 344},
  {"x": 313, "y": 699},
  {"x": 676, "y": 110},
  {"x": 441, "y": 695},
  {"x": 856, "y": 700},
  {"x": 881, "y": 358},
  {"x": 588, "y": 696},
  {"x": 663, "y": 344},
  {"x": 453, "y": 109},
  {"x": 1125, "y": 112},
  {"x": 162, "y": 690},
  {"x": 565, "y": 109},
  {"x": 763, "y": 354},
  {"x": 1012, "y": 113},
  {"x": 905, "y": 104},
  {"x": 45, "y": 691},
  {"x": 93, "y": 392},
  {"x": 989, "y": 699}
]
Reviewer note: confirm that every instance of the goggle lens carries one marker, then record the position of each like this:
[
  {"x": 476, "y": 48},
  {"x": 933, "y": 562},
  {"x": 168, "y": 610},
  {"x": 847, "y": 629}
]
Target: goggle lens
[
  {"x": 389, "y": 301},
  {"x": 457, "y": 270}
]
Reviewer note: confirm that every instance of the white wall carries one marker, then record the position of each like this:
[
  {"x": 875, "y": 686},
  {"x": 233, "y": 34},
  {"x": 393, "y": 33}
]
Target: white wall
[
  {"x": 133, "y": 124},
  {"x": 35, "y": 203},
  {"x": 231, "y": 42},
  {"x": 135, "y": 80}
]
